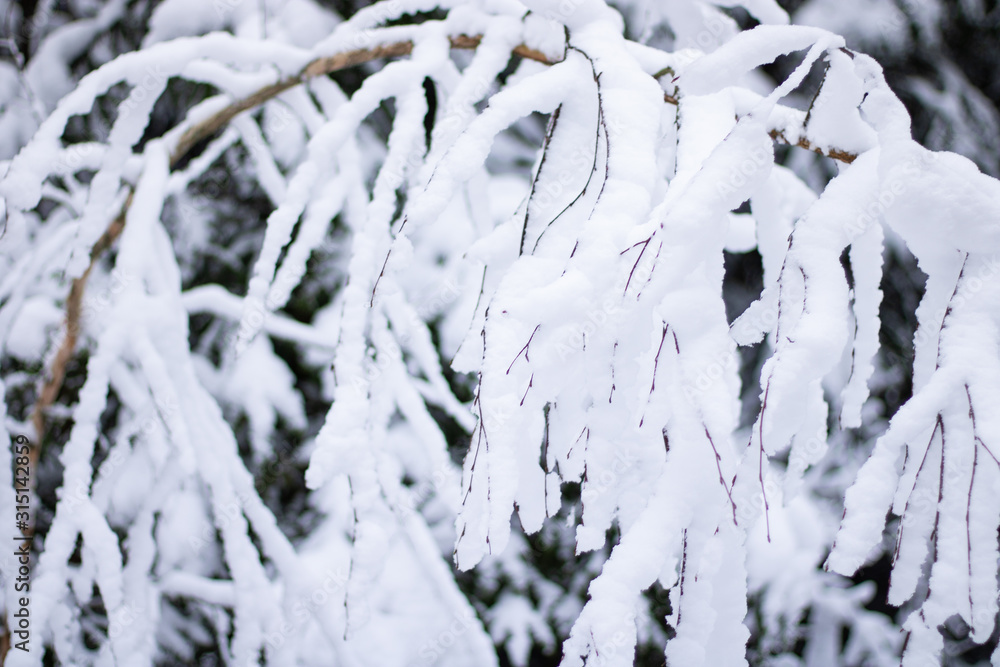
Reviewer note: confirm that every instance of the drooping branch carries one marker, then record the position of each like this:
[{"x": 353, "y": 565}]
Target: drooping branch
[
  {"x": 209, "y": 126},
  {"x": 340, "y": 61},
  {"x": 195, "y": 134},
  {"x": 320, "y": 67}
]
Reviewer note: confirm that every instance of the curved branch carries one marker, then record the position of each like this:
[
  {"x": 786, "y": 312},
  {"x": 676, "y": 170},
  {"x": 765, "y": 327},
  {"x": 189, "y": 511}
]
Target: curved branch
[
  {"x": 206, "y": 128},
  {"x": 320, "y": 67}
]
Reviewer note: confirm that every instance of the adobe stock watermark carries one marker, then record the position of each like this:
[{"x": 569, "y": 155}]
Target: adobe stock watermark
[
  {"x": 772, "y": 492},
  {"x": 434, "y": 649},
  {"x": 596, "y": 319},
  {"x": 267, "y": 473},
  {"x": 629, "y": 285},
  {"x": 224, "y": 517},
  {"x": 74, "y": 157},
  {"x": 96, "y": 305},
  {"x": 166, "y": 409},
  {"x": 609, "y": 651},
  {"x": 460, "y": 111},
  {"x": 375, "y": 17},
  {"x": 968, "y": 288},
  {"x": 593, "y": 488},
  {"x": 442, "y": 478},
  {"x": 723, "y": 362},
  {"x": 755, "y": 323},
  {"x": 747, "y": 512},
  {"x": 922, "y": 503},
  {"x": 899, "y": 20},
  {"x": 306, "y": 607},
  {"x": 715, "y": 33},
  {"x": 583, "y": 158},
  {"x": 224, "y": 8},
  {"x": 548, "y": 190},
  {"x": 32, "y": 27},
  {"x": 255, "y": 313},
  {"x": 889, "y": 192},
  {"x": 382, "y": 357},
  {"x": 152, "y": 83},
  {"x": 759, "y": 158},
  {"x": 276, "y": 119},
  {"x": 216, "y": 184},
  {"x": 124, "y": 617},
  {"x": 563, "y": 10}
]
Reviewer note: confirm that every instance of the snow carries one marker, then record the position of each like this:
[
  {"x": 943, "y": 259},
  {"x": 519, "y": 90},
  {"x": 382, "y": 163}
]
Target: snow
[
  {"x": 30, "y": 331},
  {"x": 884, "y": 20},
  {"x": 264, "y": 404},
  {"x": 866, "y": 268},
  {"x": 747, "y": 51},
  {"x": 435, "y": 270},
  {"x": 834, "y": 120}
]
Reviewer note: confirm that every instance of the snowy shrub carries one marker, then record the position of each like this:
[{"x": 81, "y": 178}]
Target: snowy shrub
[{"x": 270, "y": 275}]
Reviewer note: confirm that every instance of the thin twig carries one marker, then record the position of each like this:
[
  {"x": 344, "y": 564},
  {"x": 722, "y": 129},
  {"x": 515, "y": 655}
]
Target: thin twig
[{"x": 835, "y": 153}]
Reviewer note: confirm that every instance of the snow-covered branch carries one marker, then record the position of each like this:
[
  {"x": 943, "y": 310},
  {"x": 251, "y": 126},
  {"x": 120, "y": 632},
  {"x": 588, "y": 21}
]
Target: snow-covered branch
[{"x": 280, "y": 268}]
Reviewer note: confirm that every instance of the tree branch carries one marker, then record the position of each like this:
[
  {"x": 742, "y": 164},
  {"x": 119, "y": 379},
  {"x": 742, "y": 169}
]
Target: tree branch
[
  {"x": 834, "y": 153},
  {"x": 206, "y": 128},
  {"x": 320, "y": 67}
]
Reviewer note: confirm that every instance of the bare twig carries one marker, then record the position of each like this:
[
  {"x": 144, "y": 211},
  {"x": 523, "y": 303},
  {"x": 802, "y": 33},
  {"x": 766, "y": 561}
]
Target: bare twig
[{"x": 840, "y": 155}]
